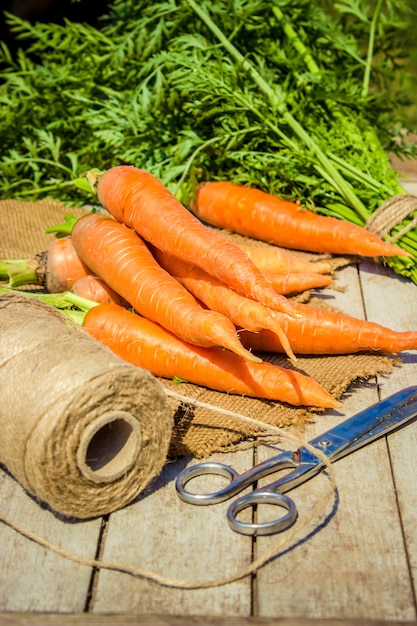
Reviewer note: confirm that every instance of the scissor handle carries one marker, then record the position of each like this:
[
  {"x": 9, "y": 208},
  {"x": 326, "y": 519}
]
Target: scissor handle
[
  {"x": 276, "y": 525},
  {"x": 209, "y": 467},
  {"x": 237, "y": 482}
]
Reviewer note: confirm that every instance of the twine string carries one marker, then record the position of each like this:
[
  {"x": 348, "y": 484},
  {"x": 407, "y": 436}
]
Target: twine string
[
  {"x": 255, "y": 564},
  {"x": 392, "y": 213}
]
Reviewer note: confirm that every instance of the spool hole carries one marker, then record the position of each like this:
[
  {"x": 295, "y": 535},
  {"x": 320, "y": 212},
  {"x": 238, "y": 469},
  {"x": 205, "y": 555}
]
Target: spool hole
[{"x": 112, "y": 449}]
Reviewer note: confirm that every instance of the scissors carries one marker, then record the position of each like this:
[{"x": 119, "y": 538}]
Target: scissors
[{"x": 357, "y": 431}]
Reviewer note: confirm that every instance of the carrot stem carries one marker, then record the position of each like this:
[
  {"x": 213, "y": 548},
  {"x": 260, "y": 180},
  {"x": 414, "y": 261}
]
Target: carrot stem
[
  {"x": 277, "y": 102},
  {"x": 65, "y": 300},
  {"x": 347, "y": 168},
  {"x": 371, "y": 43},
  {"x": 65, "y": 229},
  {"x": 17, "y": 272},
  {"x": 296, "y": 41}
]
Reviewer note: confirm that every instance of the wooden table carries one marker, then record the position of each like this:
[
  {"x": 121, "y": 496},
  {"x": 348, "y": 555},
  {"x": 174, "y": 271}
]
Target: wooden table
[{"x": 356, "y": 561}]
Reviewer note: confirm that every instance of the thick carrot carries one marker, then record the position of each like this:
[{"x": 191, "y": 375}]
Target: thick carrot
[
  {"x": 97, "y": 290},
  {"x": 64, "y": 266},
  {"x": 287, "y": 284},
  {"x": 147, "y": 345},
  {"x": 119, "y": 256},
  {"x": 319, "y": 331},
  {"x": 280, "y": 261},
  {"x": 56, "y": 269},
  {"x": 141, "y": 201},
  {"x": 260, "y": 215},
  {"x": 217, "y": 296}
]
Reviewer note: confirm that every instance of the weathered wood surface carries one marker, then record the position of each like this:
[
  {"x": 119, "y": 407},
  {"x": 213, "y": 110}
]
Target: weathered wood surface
[
  {"x": 357, "y": 566},
  {"x": 356, "y": 562}
]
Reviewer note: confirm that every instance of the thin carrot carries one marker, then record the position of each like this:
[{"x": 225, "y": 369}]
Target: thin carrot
[
  {"x": 320, "y": 331},
  {"x": 56, "y": 268},
  {"x": 260, "y": 215},
  {"x": 119, "y": 256},
  {"x": 96, "y": 289},
  {"x": 141, "y": 201},
  {"x": 280, "y": 261},
  {"x": 217, "y": 296},
  {"x": 148, "y": 345},
  {"x": 287, "y": 284}
]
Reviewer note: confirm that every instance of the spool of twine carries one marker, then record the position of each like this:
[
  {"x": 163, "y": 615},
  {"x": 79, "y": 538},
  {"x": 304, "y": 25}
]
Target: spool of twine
[
  {"x": 278, "y": 547},
  {"x": 392, "y": 213},
  {"x": 81, "y": 429}
]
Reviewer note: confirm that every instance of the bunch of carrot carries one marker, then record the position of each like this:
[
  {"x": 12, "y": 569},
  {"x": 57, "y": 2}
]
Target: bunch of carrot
[{"x": 201, "y": 307}]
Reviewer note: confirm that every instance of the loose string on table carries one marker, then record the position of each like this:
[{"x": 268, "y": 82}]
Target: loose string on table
[{"x": 277, "y": 546}]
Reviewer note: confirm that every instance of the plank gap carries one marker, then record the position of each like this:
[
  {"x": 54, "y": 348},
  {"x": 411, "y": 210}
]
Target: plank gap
[
  {"x": 96, "y": 570},
  {"x": 254, "y": 611},
  {"x": 401, "y": 521}
]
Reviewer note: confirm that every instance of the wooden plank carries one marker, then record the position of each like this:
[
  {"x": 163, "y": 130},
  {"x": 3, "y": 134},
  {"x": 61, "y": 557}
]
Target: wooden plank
[
  {"x": 33, "y": 578},
  {"x": 162, "y": 534},
  {"x": 17, "y": 619},
  {"x": 400, "y": 311},
  {"x": 355, "y": 566}
]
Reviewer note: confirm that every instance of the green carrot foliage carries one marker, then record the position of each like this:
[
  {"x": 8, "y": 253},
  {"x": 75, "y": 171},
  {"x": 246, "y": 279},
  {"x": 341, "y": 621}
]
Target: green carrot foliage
[{"x": 292, "y": 96}]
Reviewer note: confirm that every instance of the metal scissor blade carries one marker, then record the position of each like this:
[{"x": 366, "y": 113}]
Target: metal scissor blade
[
  {"x": 369, "y": 424},
  {"x": 355, "y": 432}
]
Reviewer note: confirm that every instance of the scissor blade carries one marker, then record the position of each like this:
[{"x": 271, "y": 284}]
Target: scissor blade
[
  {"x": 370, "y": 424},
  {"x": 355, "y": 432}
]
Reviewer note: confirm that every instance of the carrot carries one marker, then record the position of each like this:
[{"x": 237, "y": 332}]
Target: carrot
[
  {"x": 320, "y": 331},
  {"x": 56, "y": 269},
  {"x": 217, "y": 296},
  {"x": 119, "y": 256},
  {"x": 64, "y": 266},
  {"x": 260, "y": 215},
  {"x": 141, "y": 201},
  {"x": 146, "y": 344},
  {"x": 280, "y": 261},
  {"x": 97, "y": 290},
  {"x": 287, "y": 284}
]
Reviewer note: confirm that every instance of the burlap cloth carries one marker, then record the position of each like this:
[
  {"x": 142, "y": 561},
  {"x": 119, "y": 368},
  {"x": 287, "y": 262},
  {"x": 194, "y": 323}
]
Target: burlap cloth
[{"x": 199, "y": 432}]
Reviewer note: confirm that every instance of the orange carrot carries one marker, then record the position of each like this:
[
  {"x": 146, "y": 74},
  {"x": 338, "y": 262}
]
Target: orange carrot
[
  {"x": 319, "y": 331},
  {"x": 64, "y": 266},
  {"x": 287, "y": 284},
  {"x": 146, "y": 344},
  {"x": 141, "y": 201},
  {"x": 217, "y": 296},
  {"x": 120, "y": 257},
  {"x": 56, "y": 269},
  {"x": 280, "y": 261},
  {"x": 260, "y": 215},
  {"x": 97, "y": 290}
]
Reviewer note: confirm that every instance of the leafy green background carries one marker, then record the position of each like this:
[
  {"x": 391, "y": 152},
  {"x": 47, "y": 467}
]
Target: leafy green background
[
  {"x": 278, "y": 94},
  {"x": 150, "y": 85},
  {"x": 82, "y": 96},
  {"x": 410, "y": 111}
]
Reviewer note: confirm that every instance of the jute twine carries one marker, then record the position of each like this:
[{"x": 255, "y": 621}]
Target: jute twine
[
  {"x": 212, "y": 426},
  {"x": 392, "y": 213},
  {"x": 199, "y": 432},
  {"x": 81, "y": 429},
  {"x": 283, "y": 541}
]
